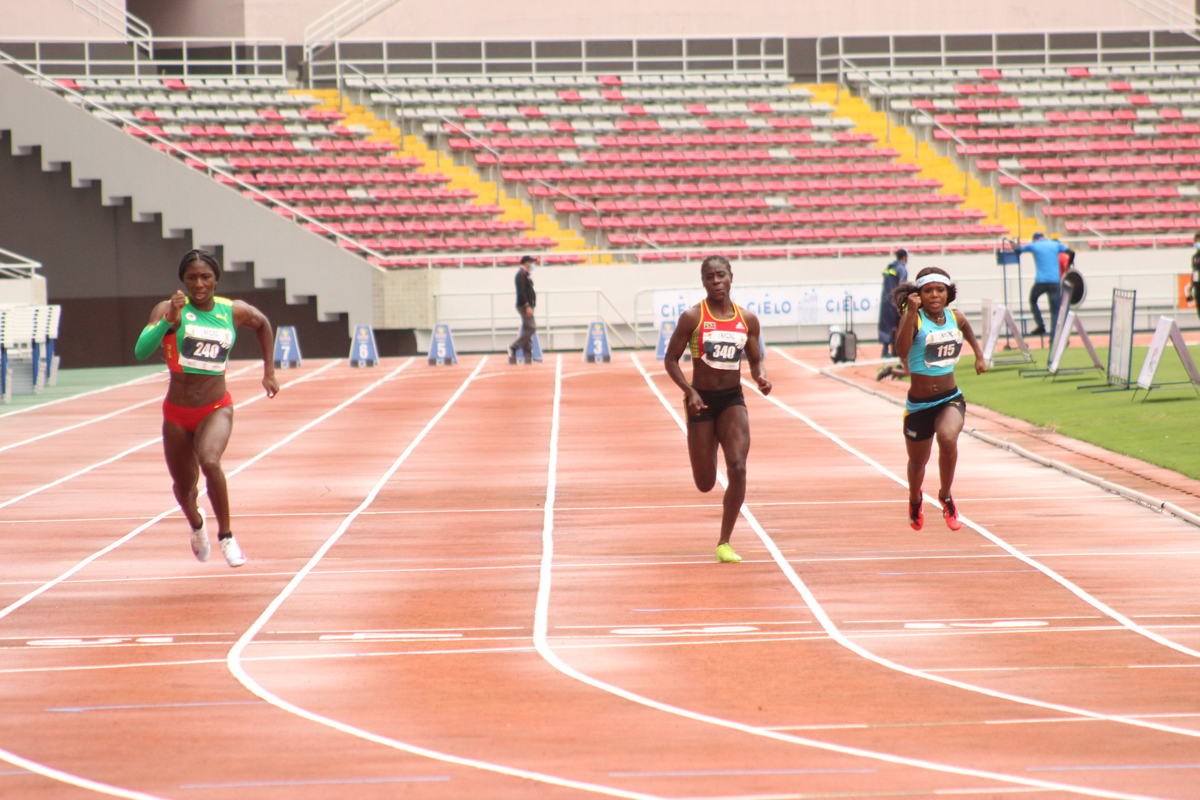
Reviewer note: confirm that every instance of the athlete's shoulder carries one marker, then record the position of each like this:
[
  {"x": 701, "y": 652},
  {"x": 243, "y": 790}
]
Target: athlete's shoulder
[{"x": 223, "y": 301}]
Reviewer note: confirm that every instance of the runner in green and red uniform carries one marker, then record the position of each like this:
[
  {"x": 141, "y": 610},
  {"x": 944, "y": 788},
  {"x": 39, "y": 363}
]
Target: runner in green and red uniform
[
  {"x": 197, "y": 331},
  {"x": 718, "y": 332}
]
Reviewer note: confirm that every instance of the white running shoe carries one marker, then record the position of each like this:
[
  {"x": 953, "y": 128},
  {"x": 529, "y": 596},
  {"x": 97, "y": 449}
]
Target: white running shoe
[
  {"x": 234, "y": 556},
  {"x": 200, "y": 540}
]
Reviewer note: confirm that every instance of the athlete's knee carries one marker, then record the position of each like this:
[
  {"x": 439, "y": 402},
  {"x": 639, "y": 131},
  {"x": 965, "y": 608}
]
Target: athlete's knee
[
  {"x": 736, "y": 470},
  {"x": 210, "y": 465},
  {"x": 705, "y": 483}
]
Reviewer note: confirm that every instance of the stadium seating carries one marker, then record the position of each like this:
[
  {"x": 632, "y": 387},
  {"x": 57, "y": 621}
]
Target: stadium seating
[
  {"x": 741, "y": 159},
  {"x": 331, "y": 176},
  {"x": 1096, "y": 150}
]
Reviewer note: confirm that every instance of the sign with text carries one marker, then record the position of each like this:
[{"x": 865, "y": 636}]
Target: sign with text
[
  {"x": 287, "y": 347},
  {"x": 779, "y": 305}
]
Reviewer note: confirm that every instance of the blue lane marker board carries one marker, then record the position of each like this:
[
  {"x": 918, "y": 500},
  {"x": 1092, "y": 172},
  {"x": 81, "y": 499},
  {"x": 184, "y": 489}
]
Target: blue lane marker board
[
  {"x": 363, "y": 352},
  {"x": 664, "y": 337},
  {"x": 441, "y": 346},
  {"x": 535, "y": 346},
  {"x": 596, "y": 349},
  {"x": 287, "y": 347}
]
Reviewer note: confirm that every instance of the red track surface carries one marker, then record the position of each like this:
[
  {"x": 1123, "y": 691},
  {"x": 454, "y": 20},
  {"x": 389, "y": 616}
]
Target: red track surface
[{"x": 497, "y": 581}]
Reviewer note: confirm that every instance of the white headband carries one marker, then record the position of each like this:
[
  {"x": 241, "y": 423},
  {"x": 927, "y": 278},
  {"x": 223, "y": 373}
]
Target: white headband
[{"x": 934, "y": 277}]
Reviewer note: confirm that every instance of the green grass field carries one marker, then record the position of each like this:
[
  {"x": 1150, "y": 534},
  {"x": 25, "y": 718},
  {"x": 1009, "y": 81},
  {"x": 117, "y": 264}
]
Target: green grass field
[{"x": 1161, "y": 428}]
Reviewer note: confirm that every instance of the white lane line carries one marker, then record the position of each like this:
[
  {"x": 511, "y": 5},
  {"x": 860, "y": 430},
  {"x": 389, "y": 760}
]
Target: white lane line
[
  {"x": 564, "y": 509},
  {"x": 835, "y": 632},
  {"x": 76, "y": 780},
  {"x": 541, "y": 641},
  {"x": 102, "y": 389},
  {"x": 101, "y": 418},
  {"x": 135, "y": 448},
  {"x": 235, "y": 662},
  {"x": 1074, "y": 589},
  {"x": 72, "y": 779},
  {"x": 45, "y": 587}
]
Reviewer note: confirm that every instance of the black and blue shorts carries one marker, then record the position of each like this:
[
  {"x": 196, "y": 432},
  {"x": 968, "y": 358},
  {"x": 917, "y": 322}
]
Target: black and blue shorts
[{"x": 920, "y": 415}]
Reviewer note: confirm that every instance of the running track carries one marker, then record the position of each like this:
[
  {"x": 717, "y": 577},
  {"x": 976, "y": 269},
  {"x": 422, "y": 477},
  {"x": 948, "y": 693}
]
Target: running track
[{"x": 496, "y": 581}]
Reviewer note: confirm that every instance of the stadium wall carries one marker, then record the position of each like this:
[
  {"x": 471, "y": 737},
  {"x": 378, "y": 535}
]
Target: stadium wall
[
  {"x": 51, "y": 19},
  {"x": 621, "y": 19}
]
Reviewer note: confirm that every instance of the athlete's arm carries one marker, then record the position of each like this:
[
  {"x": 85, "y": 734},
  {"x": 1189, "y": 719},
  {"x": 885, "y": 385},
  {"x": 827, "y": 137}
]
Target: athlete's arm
[
  {"x": 908, "y": 326},
  {"x": 248, "y": 316},
  {"x": 753, "y": 354},
  {"x": 158, "y": 326},
  {"x": 688, "y": 321},
  {"x": 969, "y": 337}
]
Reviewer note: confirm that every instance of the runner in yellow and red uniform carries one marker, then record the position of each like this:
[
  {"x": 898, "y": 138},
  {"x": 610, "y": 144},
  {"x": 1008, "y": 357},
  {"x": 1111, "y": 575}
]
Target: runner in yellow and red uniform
[
  {"x": 197, "y": 331},
  {"x": 718, "y": 333}
]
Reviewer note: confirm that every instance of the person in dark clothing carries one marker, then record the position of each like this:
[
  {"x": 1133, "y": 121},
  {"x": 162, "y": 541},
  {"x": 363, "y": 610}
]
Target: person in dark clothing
[
  {"x": 1193, "y": 292},
  {"x": 894, "y": 274},
  {"x": 526, "y": 301}
]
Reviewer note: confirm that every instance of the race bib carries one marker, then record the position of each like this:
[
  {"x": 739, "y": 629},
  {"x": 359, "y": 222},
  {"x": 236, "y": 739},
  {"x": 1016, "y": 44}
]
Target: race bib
[
  {"x": 942, "y": 348},
  {"x": 723, "y": 349},
  {"x": 205, "y": 348}
]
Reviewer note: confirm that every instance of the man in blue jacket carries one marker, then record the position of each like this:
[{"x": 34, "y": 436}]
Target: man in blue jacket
[{"x": 1047, "y": 278}]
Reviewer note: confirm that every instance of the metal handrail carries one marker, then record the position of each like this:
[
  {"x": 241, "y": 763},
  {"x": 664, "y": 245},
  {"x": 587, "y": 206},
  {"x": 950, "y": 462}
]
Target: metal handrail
[
  {"x": 934, "y": 123},
  {"x": 15, "y": 265},
  {"x": 994, "y": 56},
  {"x": 762, "y": 60},
  {"x": 339, "y": 21},
  {"x": 211, "y": 169},
  {"x": 59, "y": 64},
  {"x": 120, "y": 19},
  {"x": 1171, "y": 14}
]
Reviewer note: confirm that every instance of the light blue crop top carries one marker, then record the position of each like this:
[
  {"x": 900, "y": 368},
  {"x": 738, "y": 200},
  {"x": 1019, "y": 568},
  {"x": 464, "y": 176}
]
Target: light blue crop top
[{"x": 935, "y": 348}]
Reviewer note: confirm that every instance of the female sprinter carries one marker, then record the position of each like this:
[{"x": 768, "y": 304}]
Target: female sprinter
[
  {"x": 197, "y": 331},
  {"x": 718, "y": 333},
  {"x": 930, "y": 340}
]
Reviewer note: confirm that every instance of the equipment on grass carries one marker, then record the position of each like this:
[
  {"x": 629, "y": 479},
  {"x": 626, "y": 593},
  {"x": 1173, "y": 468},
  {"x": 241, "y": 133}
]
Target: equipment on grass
[{"x": 1167, "y": 328}]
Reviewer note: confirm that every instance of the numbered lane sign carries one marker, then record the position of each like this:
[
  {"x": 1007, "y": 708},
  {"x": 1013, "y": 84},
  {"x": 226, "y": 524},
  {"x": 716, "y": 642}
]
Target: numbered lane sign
[
  {"x": 287, "y": 347},
  {"x": 664, "y": 337},
  {"x": 363, "y": 352},
  {"x": 596, "y": 349},
  {"x": 441, "y": 347}
]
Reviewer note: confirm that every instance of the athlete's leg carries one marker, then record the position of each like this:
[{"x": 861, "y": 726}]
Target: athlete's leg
[
  {"x": 947, "y": 427},
  {"x": 212, "y": 435},
  {"x": 733, "y": 433},
  {"x": 181, "y": 463},
  {"x": 918, "y": 457},
  {"x": 702, "y": 450}
]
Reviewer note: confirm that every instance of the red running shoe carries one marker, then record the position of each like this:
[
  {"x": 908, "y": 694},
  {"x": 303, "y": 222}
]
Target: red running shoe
[
  {"x": 950, "y": 513},
  {"x": 916, "y": 516}
]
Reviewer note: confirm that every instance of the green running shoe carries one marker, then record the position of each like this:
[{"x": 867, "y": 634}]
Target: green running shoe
[{"x": 726, "y": 555}]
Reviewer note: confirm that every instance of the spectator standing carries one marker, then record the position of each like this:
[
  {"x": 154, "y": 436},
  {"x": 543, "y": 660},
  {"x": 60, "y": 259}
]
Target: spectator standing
[
  {"x": 894, "y": 274},
  {"x": 1047, "y": 278},
  {"x": 526, "y": 302}
]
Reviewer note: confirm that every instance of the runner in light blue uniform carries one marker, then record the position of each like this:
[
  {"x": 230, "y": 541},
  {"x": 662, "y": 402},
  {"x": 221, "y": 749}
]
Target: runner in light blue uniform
[{"x": 930, "y": 340}]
